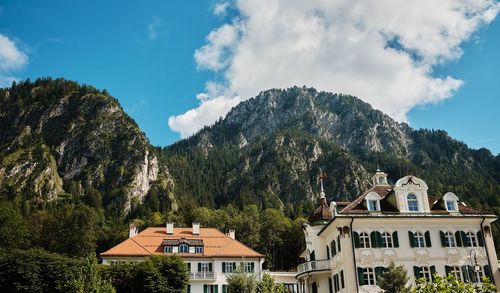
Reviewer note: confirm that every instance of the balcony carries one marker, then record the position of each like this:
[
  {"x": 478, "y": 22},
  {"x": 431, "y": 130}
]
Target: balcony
[
  {"x": 315, "y": 265},
  {"x": 203, "y": 275}
]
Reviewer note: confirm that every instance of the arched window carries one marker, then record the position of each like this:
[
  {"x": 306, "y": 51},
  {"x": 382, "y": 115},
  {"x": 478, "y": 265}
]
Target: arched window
[
  {"x": 183, "y": 248},
  {"x": 364, "y": 240},
  {"x": 386, "y": 240},
  {"x": 471, "y": 239},
  {"x": 412, "y": 202},
  {"x": 419, "y": 240},
  {"x": 449, "y": 239}
]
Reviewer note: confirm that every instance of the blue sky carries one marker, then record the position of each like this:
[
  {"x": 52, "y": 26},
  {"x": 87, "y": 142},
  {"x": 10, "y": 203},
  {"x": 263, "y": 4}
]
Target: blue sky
[{"x": 144, "y": 55}]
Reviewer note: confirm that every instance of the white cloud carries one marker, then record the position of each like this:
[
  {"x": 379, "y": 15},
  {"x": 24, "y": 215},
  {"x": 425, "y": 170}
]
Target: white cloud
[
  {"x": 12, "y": 59},
  {"x": 153, "y": 28},
  {"x": 382, "y": 51},
  {"x": 220, "y": 8}
]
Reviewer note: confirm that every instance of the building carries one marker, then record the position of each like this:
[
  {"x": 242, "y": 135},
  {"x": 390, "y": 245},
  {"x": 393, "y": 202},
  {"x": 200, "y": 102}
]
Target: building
[
  {"x": 349, "y": 244},
  {"x": 209, "y": 253}
]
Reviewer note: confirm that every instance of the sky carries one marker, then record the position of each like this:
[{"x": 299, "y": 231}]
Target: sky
[{"x": 176, "y": 65}]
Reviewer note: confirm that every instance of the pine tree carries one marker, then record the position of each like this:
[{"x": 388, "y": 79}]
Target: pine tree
[{"x": 394, "y": 280}]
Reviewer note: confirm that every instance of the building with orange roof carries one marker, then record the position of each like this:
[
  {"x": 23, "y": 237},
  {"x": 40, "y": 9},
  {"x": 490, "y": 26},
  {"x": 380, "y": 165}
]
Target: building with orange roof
[
  {"x": 350, "y": 244},
  {"x": 209, "y": 253}
]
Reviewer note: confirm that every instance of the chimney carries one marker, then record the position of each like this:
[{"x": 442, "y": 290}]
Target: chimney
[
  {"x": 133, "y": 230},
  {"x": 333, "y": 208},
  {"x": 170, "y": 228},
  {"x": 231, "y": 234},
  {"x": 196, "y": 228}
]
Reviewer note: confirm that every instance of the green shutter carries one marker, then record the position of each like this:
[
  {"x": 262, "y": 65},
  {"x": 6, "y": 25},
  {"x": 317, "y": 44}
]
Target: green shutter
[
  {"x": 465, "y": 274},
  {"x": 334, "y": 248},
  {"x": 342, "y": 279},
  {"x": 379, "y": 271},
  {"x": 355, "y": 236},
  {"x": 224, "y": 288},
  {"x": 223, "y": 267},
  {"x": 328, "y": 252},
  {"x": 379, "y": 239},
  {"x": 339, "y": 248},
  {"x": 443, "y": 239},
  {"x": 458, "y": 238},
  {"x": 205, "y": 288},
  {"x": 416, "y": 272},
  {"x": 210, "y": 267},
  {"x": 465, "y": 239},
  {"x": 448, "y": 270},
  {"x": 199, "y": 267},
  {"x": 252, "y": 266},
  {"x": 427, "y": 236},
  {"x": 433, "y": 271},
  {"x": 361, "y": 277},
  {"x": 480, "y": 238},
  {"x": 395, "y": 240},
  {"x": 411, "y": 237},
  {"x": 330, "y": 285},
  {"x": 487, "y": 272},
  {"x": 234, "y": 266},
  {"x": 373, "y": 239},
  {"x": 216, "y": 288}
]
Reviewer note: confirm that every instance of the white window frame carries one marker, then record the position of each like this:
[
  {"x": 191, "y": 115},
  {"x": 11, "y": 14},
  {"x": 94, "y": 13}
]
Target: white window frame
[
  {"x": 455, "y": 271},
  {"x": 364, "y": 240},
  {"x": 450, "y": 239},
  {"x": 451, "y": 198},
  {"x": 204, "y": 267},
  {"x": 167, "y": 249},
  {"x": 412, "y": 202},
  {"x": 425, "y": 272},
  {"x": 478, "y": 275},
  {"x": 453, "y": 204},
  {"x": 247, "y": 267},
  {"x": 372, "y": 202},
  {"x": 387, "y": 240},
  {"x": 199, "y": 249},
  {"x": 472, "y": 239},
  {"x": 369, "y": 276},
  {"x": 229, "y": 267},
  {"x": 183, "y": 246},
  {"x": 420, "y": 239}
]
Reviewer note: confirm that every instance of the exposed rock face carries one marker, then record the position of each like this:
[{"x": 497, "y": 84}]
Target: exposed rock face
[{"x": 54, "y": 132}]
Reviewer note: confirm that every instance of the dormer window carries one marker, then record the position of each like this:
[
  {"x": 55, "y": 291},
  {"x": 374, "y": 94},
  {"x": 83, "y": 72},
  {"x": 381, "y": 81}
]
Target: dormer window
[
  {"x": 168, "y": 249},
  {"x": 183, "y": 248},
  {"x": 372, "y": 205},
  {"x": 451, "y": 202},
  {"x": 412, "y": 202},
  {"x": 372, "y": 202},
  {"x": 450, "y": 206}
]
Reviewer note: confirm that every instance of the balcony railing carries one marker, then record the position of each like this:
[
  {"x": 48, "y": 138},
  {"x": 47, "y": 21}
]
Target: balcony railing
[
  {"x": 203, "y": 275},
  {"x": 315, "y": 265}
]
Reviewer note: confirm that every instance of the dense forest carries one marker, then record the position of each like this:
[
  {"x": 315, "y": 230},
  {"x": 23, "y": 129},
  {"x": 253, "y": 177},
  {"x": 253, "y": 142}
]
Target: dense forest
[{"x": 75, "y": 169}]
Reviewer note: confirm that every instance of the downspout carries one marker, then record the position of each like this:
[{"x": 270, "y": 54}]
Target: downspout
[
  {"x": 487, "y": 254},
  {"x": 354, "y": 256}
]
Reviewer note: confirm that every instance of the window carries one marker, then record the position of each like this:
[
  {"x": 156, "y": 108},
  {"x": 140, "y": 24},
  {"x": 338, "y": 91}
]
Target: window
[
  {"x": 199, "y": 249},
  {"x": 449, "y": 240},
  {"x": 425, "y": 272},
  {"x": 477, "y": 275},
  {"x": 228, "y": 267},
  {"x": 168, "y": 249},
  {"x": 471, "y": 239},
  {"x": 183, "y": 248},
  {"x": 372, "y": 205},
  {"x": 412, "y": 202},
  {"x": 419, "y": 240},
  {"x": 455, "y": 271},
  {"x": 224, "y": 288},
  {"x": 381, "y": 180},
  {"x": 386, "y": 240},
  {"x": 249, "y": 267},
  {"x": 369, "y": 276},
  {"x": 204, "y": 267},
  {"x": 451, "y": 206},
  {"x": 364, "y": 240},
  {"x": 188, "y": 289},
  {"x": 210, "y": 288}
]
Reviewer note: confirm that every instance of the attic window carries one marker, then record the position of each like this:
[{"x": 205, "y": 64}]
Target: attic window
[
  {"x": 451, "y": 202},
  {"x": 372, "y": 202},
  {"x": 372, "y": 205},
  {"x": 412, "y": 202},
  {"x": 451, "y": 205}
]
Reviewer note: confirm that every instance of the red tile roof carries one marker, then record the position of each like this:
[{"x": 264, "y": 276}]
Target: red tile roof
[{"x": 150, "y": 241}]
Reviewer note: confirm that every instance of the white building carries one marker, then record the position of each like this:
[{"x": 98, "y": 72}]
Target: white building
[
  {"x": 349, "y": 244},
  {"x": 209, "y": 253}
]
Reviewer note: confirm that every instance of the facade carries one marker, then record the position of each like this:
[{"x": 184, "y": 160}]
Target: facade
[
  {"x": 349, "y": 244},
  {"x": 209, "y": 253}
]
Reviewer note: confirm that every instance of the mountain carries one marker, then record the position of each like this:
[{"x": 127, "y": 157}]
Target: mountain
[
  {"x": 269, "y": 150},
  {"x": 59, "y": 137}
]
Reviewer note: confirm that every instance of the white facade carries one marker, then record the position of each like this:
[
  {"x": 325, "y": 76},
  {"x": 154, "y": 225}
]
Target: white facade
[{"x": 425, "y": 235}]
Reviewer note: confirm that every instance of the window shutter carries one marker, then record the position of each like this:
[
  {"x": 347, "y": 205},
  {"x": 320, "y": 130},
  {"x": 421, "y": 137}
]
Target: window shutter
[
  {"x": 224, "y": 288},
  {"x": 223, "y": 267},
  {"x": 338, "y": 244},
  {"x": 416, "y": 272},
  {"x": 355, "y": 237},
  {"x": 373, "y": 239},
  {"x": 342, "y": 279},
  {"x": 395, "y": 240},
  {"x": 252, "y": 266},
  {"x": 334, "y": 248},
  {"x": 433, "y": 271},
  {"x": 378, "y": 272},
  {"x": 458, "y": 238},
  {"x": 465, "y": 239},
  {"x": 487, "y": 272},
  {"x": 205, "y": 288},
  {"x": 427, "y": 236},
  {"x": 234, "y": 266},
  {"x": 210, "y": 267},
  {"x": 379, "y": 239},
  {"x": 330, "y": 285},
  {"x": 443, "y": 239},
  {"x": 480, "y": 238},
  {"x": 361, "y": 277},
  {"x": 447, "y": 270},
  {"x": 472, "y": 274},
  {"x": 465, "y": 274},
  {"x": 216, "y": 288},
  {"x": 328, "y": 252},
  {"x": 411, "y": 236},
  {"x": 199, "y": 267}
]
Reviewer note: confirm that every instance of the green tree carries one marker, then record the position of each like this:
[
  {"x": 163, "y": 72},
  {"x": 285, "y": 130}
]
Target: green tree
[
  {"x": 241, "y": 282},
  {"x": 451, "y": 284},
  {"x": 13, "y": 228},
  {"x": 394, "y": 279},
  {"x": 268, "y": 285}
]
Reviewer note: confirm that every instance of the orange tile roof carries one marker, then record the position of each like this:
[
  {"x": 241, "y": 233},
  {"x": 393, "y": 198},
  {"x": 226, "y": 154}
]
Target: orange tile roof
[{"x": 150, "y": 241}]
